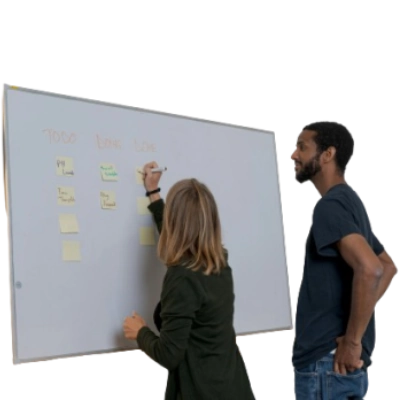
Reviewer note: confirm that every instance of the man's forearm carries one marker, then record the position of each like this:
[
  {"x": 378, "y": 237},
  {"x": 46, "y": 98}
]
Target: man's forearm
[
  {"x": 364, "y": 297},
  {"x": 389, "y": 271}
]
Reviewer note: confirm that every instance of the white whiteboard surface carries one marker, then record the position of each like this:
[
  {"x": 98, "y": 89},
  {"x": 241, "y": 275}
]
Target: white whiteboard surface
[{"x": 64, "y": 308}]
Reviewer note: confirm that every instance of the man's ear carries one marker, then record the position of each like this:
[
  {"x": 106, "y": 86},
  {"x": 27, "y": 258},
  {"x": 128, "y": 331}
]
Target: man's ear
[{"x": 329, "y": 154}]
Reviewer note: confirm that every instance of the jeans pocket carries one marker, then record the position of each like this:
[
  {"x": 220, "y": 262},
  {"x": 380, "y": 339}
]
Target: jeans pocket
[
  {"x": 306, "y": 385},
  {"x": 354, "y": 385}
]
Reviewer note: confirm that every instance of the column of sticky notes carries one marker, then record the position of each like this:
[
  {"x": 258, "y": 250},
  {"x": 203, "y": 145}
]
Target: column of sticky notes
[
  {"x": 71, "y": 250},
  {"x": 108, "y": 199},
  {"x": 146, "y": 234}
]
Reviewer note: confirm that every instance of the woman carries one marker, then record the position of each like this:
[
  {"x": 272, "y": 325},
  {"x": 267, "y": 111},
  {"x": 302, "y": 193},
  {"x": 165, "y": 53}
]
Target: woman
[{"x": 197, "y": 341}]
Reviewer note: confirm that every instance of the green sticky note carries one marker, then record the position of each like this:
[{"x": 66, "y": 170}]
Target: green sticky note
[{"x": 108, "y": 172}]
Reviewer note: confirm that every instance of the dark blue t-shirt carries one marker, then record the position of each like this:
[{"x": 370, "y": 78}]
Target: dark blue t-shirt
[{"x": 324, "y": 302}]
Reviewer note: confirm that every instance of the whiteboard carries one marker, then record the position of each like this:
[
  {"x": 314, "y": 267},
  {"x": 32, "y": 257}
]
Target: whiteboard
[{"x": 83, "y": 253}]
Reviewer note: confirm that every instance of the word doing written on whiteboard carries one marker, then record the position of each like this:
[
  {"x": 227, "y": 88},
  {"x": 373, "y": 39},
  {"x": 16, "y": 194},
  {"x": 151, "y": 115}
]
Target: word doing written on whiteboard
[{"x": 103, "y": 142}]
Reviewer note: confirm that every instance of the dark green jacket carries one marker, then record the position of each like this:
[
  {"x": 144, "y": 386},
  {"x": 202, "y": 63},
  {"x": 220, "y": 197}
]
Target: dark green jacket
[{"x": 197, "y": 341}]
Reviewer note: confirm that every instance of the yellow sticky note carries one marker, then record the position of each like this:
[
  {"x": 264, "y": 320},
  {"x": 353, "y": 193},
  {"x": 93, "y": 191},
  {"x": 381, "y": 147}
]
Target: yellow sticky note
[
  {"x": 139, "y": 175},
  {"x": 71, "y": 250},
  {"x": 65, "y": 166},
  {"x": 108, "y": 172},
  {"x": 68, "y": 223},
  {"x": 147, "y": 236},
  {"x": 142, "y": 203},
  {"x": 65, "y": 196},
  {"x": 107, "y": 200}
]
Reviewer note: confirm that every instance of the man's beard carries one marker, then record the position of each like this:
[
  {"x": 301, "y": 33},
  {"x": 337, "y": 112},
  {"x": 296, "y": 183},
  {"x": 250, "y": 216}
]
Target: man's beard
[{"x": 309, "y": 170}]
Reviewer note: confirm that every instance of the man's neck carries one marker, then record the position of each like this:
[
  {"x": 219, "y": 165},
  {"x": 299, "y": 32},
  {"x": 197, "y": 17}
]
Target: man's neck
[{"x": 324, "y": 183}]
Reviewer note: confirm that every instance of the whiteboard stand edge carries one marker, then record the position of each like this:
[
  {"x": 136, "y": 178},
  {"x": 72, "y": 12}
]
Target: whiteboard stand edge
[
  {"x": 284, "y": 233},
  {"x": 6, "y": 199}
]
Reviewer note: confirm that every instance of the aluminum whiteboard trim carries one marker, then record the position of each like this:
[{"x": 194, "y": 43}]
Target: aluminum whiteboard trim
[
  {"x": 7, "y": 193},
  {"x": 132, "y": 107}
]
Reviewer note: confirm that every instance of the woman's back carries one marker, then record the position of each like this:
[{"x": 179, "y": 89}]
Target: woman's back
[{"x": 211, "y": 366}]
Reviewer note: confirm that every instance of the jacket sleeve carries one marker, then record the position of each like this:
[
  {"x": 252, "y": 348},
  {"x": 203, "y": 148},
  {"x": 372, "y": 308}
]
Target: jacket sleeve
[
  {"x": 157, "y": 209},
  {"x": 181, "y": 298}
]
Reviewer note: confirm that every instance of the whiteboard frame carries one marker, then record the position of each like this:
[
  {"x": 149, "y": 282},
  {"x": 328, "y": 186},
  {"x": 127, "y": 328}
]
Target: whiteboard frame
[{"x": 4, "y": 150}]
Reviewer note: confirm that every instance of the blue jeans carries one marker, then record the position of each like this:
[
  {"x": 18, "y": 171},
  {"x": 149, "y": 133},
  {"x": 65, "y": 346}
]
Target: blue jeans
[{"x": 318, "y": 381}]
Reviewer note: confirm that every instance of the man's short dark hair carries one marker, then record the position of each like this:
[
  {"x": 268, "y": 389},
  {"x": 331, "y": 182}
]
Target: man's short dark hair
[{"x": 336, "y": 135}]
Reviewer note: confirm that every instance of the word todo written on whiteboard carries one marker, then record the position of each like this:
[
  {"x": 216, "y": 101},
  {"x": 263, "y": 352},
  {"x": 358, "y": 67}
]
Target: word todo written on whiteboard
[
  {"x": 108, "y": 172},
  {"x": 64, "y": 166},
  {"x": 66, "y": 196},
  {"x": 107, "y": 200},
  {"x": 60, "y": 137}
]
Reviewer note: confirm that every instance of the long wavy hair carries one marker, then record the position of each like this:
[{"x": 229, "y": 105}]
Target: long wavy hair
[{"x": 191, "y": 229}]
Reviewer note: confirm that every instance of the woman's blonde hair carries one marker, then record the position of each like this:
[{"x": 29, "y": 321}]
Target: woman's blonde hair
[{"x": 191, "y": 229}]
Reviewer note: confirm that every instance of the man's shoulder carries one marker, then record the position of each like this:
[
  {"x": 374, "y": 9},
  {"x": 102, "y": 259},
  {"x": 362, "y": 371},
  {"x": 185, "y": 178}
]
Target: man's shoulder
[
  {"x": 339, "y": 196},
  {"x": 341, "y": 192}
]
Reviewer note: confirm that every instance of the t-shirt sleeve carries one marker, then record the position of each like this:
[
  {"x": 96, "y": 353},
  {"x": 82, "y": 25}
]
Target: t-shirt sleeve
[
  {"x": 376, "y": 245},
  {"x": 332, "y": 222}
]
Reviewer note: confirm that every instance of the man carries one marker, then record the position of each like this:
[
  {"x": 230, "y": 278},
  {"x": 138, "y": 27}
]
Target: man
[{"x": 346, "y": 272}]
